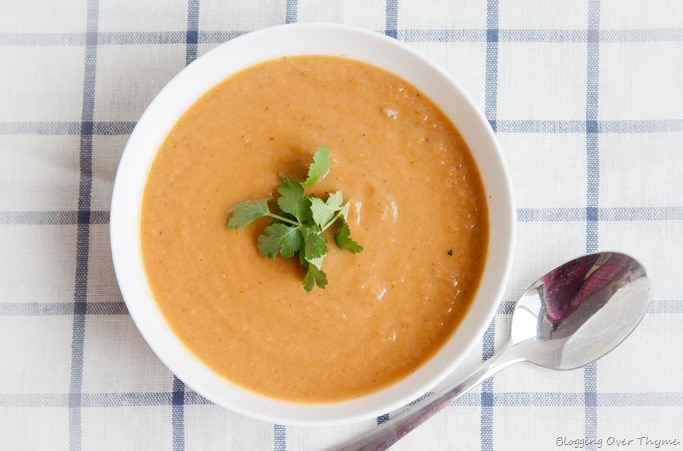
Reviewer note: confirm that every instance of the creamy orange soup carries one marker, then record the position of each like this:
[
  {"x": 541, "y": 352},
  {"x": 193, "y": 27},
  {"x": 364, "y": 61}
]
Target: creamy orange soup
[{"x": 417, "y": 206}]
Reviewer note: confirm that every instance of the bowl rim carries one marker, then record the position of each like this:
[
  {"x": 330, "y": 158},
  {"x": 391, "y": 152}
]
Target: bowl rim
[{"x": 242, "y": 52}]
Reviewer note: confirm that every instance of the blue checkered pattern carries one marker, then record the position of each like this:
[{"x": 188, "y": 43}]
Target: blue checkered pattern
[{"x": 586, "y": 98}]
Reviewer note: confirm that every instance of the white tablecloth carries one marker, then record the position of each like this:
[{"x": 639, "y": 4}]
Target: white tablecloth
[{"x": 586, "y": 98}]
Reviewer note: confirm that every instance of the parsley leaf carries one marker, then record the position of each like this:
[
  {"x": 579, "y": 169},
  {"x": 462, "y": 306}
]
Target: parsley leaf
[
  {"x": 344, "y": 241},
  {"x": 299, "y": 223},
  {"x": 292, "y": 199},
  {"x": 279, "y": 238},
  {"x": 324, "y": 212},
  {"x": 314, "y": 276},
  {"x": 320, "y": 166},
  {"x": 246, "y": 212},
  {"x": 315, "y": 245}
]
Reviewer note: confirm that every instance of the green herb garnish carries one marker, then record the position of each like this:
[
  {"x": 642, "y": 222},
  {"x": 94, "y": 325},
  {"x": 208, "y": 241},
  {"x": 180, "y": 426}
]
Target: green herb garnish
[{"x": 299, "y": 222}]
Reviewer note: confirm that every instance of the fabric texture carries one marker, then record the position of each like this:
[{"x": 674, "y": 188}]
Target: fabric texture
[{"x": 586, "y": 99}]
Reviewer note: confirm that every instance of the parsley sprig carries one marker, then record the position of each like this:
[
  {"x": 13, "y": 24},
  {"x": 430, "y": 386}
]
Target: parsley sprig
[{"x": 299, "y": 222}]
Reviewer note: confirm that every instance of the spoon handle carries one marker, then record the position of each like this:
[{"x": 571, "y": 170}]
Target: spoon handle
[{"x": 392, "y": 430}]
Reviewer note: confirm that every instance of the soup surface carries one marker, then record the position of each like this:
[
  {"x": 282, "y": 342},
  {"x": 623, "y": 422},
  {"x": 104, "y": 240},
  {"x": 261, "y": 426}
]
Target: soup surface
[{"x": 417, "y": 206}]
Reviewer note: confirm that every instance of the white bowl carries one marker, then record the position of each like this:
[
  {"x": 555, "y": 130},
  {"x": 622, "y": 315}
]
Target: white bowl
[{"x": 196, "y": 79}]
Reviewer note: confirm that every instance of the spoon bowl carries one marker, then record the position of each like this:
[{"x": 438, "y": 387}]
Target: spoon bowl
[
  {"x": 579, "y": 311},
  {"x": 570, "y": 317}
]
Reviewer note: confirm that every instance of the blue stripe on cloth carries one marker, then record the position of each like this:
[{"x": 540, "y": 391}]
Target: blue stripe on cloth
[
  {"x": 442, "y": 35},
  {"x": 568, "y": 214},
  {"x": 491, "y": 89},
  {"x": 279, "y": 437},
  {"x": 60, "y": 308},
  {"x": 551, "y": 214},
  {"x": 534, "y": 35},
  {"x": 644, "y": 35},
  {"x": 604, "y": 214},
  {"x": 655, "y": 307},
  {"x": 503, "y": 126},
  {"x": 491, "y": 113},
  {"x": 408, "y": 35},
  {"x": 178, "y": 398},
  {"x": 46, "y": 308},
  {"x": 592, "y": 140},
  {"x": 65, "y": 128},
  {"x": 486, "y": 396},
  {"x": 291, "y": 11},
  {"x": 178, "y": 414},
  {"x": 642, "y": 126},
  {"x": 42, "y": 39},
  {"x": 391, "y": 20},
  {"x": 52, "y": 217},
  {"x": 554, "y": 36},
  {"x": 144, "y": 37},
  {"x": 574, "y": 399},
  {"x": 592, "y": 191},
  {"x": 219, "y": 37},
  {"x": 471, "y": 399},
  {"x": 602, "y": 127},
  {"x": 192, "y": 34},
  {"x": 83, "y": 227}
]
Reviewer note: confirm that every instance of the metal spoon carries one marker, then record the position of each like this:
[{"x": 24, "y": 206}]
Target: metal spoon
[{"x": 570, "y": 317}]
